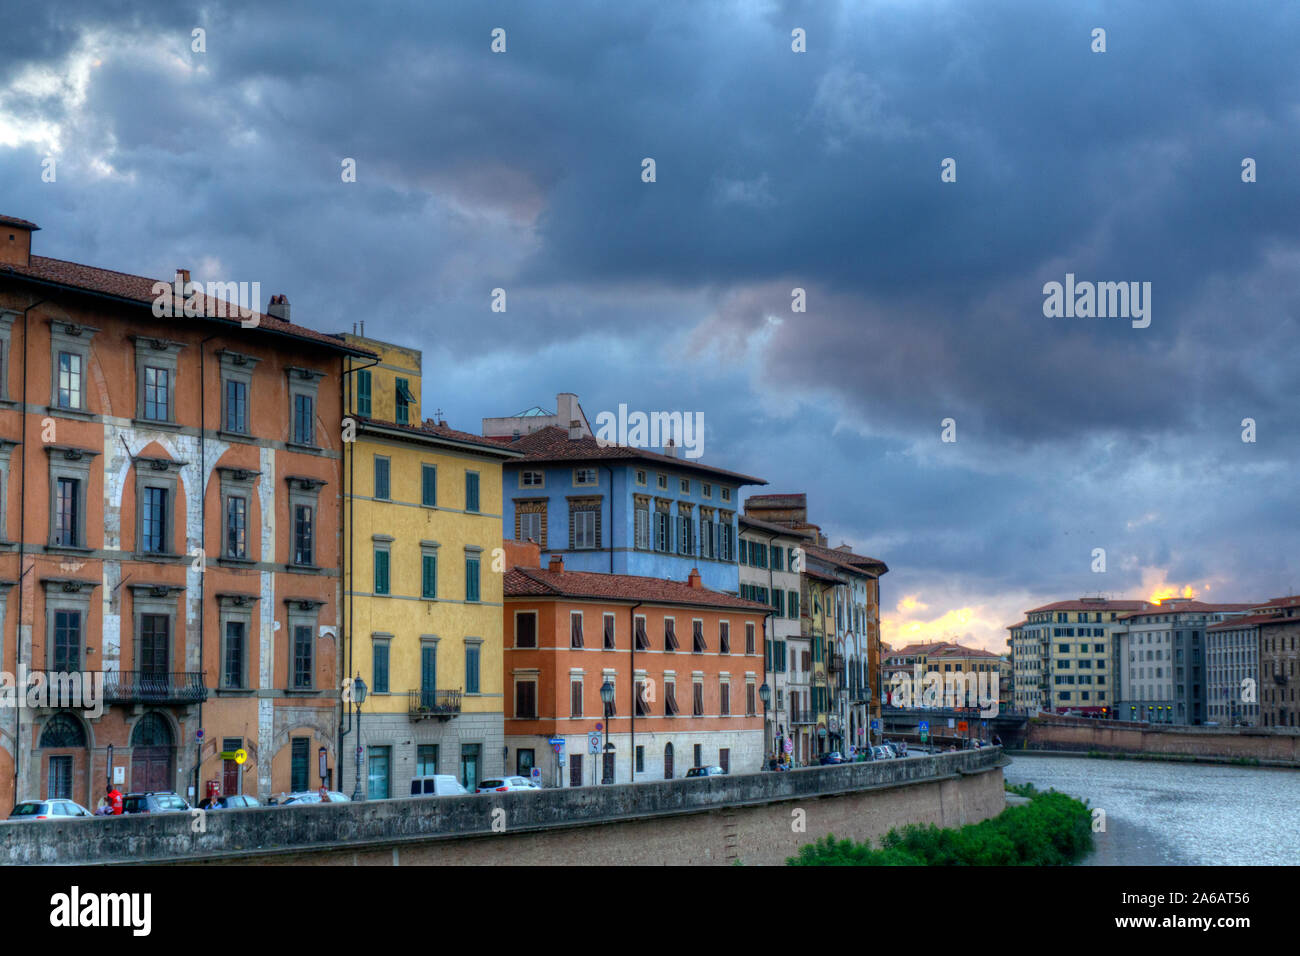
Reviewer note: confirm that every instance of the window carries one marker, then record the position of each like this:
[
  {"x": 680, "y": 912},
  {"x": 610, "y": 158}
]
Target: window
[
  {"x": 70, "y": 380},
  {"x": 526, "y": 629},
  {"x": 157, "y": 394},
  {"x": 236, "y": 406},
  {"x": 640, "y": 759},
  {"x": 236, "y": 527},
  {"x": 153, "y": 521},
  {"x": 706, "y": 490},
  {"x": 670, "y": 634},
  {"x": 641, "y": 522},
  {"x": 575, "y": 630},
  {"x": 302, "y": 534},
  {"x": 663, "y": 533},
  {"x": 724, "y": 637},
  {"x": 303, "y": 657},
  {"x": 584, "y": 476},
  {"x": 303, "y": 383},
  {"x": 471, "y": 491},
  {"x": 363, "y": 393},
  {"x": 724, "y": 699},
  {"x": 426, "y": 758},
  {"x": 749, "y": 639},
  {"x": 381, "y": 568},
  {"x": 429, "y": 486},
  {"x": 298, "y": 763},
  {"x": 67, "y": 525},
  {"x": 70, "y": 358},
  {"x": 531, "y": 479},
  {"x": 377, "y": 775},
  {"x": 404, "y": 401},
  {"x": 726, "y": 494},
  {"x": 583, "y": 529},
  {"x": 379, "y": 678},
  {"x": 662, "y": 481},
  {"x": 525, "y": 699},
  {"x": 530, "y": 526},
  {"x": 697, "y": 634},
  {"x": 381, "y": 478},
  {"x": 639, "y": 696},
  {"x": 67, "y": 641},
  {"x": 685, "y": 534},
  {"x": 670, "y": 699},
  {"x": 471, "y": 577},
  {"x": 640, "y": 477},
  {"x": 232, "y": 657},
  {"x": 575, "y": 696},
  {"x": 697, "y": 703},
  {"x": 778, "y": 557},
  {"x": 429, "y": 574},
  {"x": 685, "y": 485},
  {"x": 609, "y": 632},
  {"x": 471, "y": 668}
]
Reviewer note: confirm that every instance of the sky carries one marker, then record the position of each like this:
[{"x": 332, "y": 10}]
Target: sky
[{"x": 774, "y": 170}]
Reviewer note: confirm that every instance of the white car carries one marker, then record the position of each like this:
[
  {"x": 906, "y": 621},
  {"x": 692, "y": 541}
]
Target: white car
[
  {"x": 436, "y": 785},
  {"x": 506, "y": 784},
  {"x": 48, "y": 809},
  {"x": 313, "y": 796}
]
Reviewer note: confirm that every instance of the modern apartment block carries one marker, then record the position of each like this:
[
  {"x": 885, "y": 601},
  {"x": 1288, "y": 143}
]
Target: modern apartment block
[
  {"x": 1162, "y": 667},
  {"x": 621, "y": 510},
  {"x": 683, "y": 665},
  {"x": 170, "y": 522},
  {"x": 423, "y": 601}
]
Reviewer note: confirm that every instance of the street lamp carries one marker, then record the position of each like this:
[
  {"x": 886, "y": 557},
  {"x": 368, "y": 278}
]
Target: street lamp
[
  {"x": 358, "y": 698},
  {"x": 765, "y": 695},
  {"x": 607, "y": 696}
]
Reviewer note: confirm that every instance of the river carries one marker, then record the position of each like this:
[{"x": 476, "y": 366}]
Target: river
[{"x": 1178, "y": 814}]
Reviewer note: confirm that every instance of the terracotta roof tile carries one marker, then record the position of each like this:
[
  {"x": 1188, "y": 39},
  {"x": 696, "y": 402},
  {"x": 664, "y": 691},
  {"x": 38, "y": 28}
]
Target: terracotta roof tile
[
  {"x": 1102, "y": 604},
  {"x": 541, "y": 582},
  {"x": 139, "y": 289},
  {"x": 431, "y": 428}
]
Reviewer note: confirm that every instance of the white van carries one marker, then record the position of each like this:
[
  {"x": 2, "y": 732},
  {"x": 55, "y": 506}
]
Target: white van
[{"x": 436, "y": 785}]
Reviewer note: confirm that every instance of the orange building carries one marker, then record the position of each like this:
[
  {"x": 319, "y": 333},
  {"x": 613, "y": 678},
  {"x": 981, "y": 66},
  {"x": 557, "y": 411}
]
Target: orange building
[
  {"x": 685, "y": 664},
  {"x": 169, "y": 502}
]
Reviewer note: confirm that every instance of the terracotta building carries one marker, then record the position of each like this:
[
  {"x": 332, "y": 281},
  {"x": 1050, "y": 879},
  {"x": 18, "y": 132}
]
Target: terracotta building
[
  {"x": 170, "y": 506},
  {"x": 685, "y": 665}
]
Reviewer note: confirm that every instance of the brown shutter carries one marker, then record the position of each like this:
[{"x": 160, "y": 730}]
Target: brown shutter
[
  {"x": 670, "y": 636},
  {"x": 575, "y": 630},
  {"x": 749, "y": 638},
  {"x": 724, "y": 637},
  {"x": 609, "y": 632},
  {"x": 697, "y": 630},
  {"x": 642, "y": 642},
  {"x": 725, "y": 708},
  {"x": 699, "y": 699}
]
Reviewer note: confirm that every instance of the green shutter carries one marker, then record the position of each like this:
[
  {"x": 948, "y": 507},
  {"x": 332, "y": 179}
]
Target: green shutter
[
  {"x": 363, "y": 393},
  {"x": 429, "y": 576},
  {"x": 471, "y": 579},
  {"x": 381, "y": 571},
  {"x": 471, "y": 491},
  {"x": 429, "y": 485}
]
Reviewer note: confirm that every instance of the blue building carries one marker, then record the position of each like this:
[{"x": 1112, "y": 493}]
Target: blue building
[{"x": 622, "y": 510}]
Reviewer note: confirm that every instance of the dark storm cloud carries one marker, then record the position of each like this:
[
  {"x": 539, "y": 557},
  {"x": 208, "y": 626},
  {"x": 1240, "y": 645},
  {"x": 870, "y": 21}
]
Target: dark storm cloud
[{"x": 774, "y": 170}]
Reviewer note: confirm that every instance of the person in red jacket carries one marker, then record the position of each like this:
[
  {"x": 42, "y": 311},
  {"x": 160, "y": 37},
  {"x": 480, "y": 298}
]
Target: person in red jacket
[{"x": 114, "y": 798}]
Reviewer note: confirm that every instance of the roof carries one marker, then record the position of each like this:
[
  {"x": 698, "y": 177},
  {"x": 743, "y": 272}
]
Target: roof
[
  {"x": 957, "y": 650},
  {"x": 138, "y": 290},
  {"x": 20, "y": 223},
  {"x": 1251, "y": 620},
  {"x": 846, "y": 559},
  {"x": 1189, "y": 607},
  {"x": 769, "y": 526},
  {"x": 1012, "y": 627},
  {"x": 1092, "y": 604},
  {"x": 911, "y": 650},
  {"x": 541, "y": 582},
  {"x": 433, "y": 430},
  {"x": 554, "y": 444}
]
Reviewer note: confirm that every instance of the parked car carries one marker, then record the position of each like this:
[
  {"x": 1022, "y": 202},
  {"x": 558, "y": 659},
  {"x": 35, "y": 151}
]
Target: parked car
[
  {"x": 155, "y": 801},
  {"x": 893, "y": 749},
  {"x": 312, "y": 796},
  {"x": 831, "y": 757},
  {"x": 48, "y": 809},
  {"x": 706, "y": 772},
  {"x": 436, "y": 785},
  {"x": 882, "y": 752},
  {"x": 233, "y": 801},
  {"x": 505, "y": 784}
]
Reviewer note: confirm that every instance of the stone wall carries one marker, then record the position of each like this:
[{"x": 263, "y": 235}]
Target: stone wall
[
  {"x": 754, "y": 818},
  {"x": 1281, "y": 745}
]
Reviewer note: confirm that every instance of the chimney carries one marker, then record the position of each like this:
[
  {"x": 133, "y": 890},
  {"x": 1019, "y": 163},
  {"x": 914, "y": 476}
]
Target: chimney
[
  {"x": 185, "y": 277},
  {"x": 16, "y": 241},
  {"x": 279, "y": 307},
  {"x": 693, "y": 579},
  {"x": 575, "y": 430},
  {"x": 556, "y": 563},
  {"x": 670, "y": 449}
]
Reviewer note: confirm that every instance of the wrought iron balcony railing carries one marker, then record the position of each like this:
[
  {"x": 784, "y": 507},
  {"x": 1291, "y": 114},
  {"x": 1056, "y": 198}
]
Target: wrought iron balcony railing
[
  {"x": 439, "y": 704},
  {"x": 154, "y": 687}
]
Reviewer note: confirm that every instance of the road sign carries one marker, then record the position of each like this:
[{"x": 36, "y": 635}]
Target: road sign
[
  {"x": 556, "y": 741},
  {"x": 875, "y": 725},
  {"x": 924, "y": 736},
  {"x": 951, "y": 723},
  {"x": 924, "y": 726},
  {"x": 961, "y": 726},
  {"x": 537, "y": 771},
  {"x": 561, "y": 760},
  {"x": 593, "y": 743},
  {"x": 241, "y": 755}
]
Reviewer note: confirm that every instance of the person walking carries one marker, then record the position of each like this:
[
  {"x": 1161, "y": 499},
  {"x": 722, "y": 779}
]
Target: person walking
[{"x": 113, "y": 800}]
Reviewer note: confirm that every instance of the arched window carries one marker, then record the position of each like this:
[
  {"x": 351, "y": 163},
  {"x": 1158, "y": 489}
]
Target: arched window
[
  {"x": 668, "y": 761},
  {"x": 63, "y": 730},
  {"x": 151, "y": 731}
]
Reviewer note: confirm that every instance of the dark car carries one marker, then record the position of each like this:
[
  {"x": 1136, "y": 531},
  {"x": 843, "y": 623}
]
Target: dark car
[
  {"x": 155, "y": 801},
  {"x": 833, "y": 756},
  {"x": 231, "y": 801},
  {"x": 706, "y": 772}
]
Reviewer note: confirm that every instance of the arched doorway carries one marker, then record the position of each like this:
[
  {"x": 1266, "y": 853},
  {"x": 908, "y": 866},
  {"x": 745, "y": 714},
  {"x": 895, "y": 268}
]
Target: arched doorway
[
  {"x": 668, "y": 761},
  {"x": 152, "y": 754},
  {"x": 63, "y": 745}
]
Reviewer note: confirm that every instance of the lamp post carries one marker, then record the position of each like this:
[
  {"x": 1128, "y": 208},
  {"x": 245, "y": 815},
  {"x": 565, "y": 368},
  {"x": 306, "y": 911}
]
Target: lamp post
[
  {"x": 765, "y": 695},
  {"x": 358, "y": 698},
  {"x": 607, "y": 697}
]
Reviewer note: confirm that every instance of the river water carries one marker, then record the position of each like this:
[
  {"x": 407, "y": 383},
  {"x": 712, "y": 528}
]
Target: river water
[{"x": 1175, "y": 814}]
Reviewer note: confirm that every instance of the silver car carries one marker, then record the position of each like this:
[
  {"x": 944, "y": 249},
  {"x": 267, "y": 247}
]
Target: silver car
[
  {"x": 48, "y": 810},
  {"x": 506, "y": 784}
]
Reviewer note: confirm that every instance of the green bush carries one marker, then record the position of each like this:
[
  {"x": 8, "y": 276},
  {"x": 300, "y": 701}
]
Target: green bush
[{"x": 1054, "y": 829}]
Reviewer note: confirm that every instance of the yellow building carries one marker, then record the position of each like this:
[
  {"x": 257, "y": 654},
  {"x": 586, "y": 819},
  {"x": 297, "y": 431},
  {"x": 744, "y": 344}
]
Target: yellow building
[
  {"x": 422, "y": 579},
  {"x": 818, "y": 598}
]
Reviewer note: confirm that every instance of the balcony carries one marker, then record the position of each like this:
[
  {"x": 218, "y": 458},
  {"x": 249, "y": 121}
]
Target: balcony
[
  {"x": 436, "y": 704},
  {"x": 154, "y": 687},
  {"x": 859, "y": 695},
  {"x": 802, "y": 718},
  {"x": 836, "y": 664}
]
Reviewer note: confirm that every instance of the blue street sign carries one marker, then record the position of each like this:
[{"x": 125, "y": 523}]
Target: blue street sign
[
  {"x": 924, "y": 725},
  {"x": 875, "y": 725},
  {"x": 556, "y": 741}
]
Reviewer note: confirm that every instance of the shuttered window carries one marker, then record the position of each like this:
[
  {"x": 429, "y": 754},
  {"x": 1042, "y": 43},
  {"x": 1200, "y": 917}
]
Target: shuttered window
[
  {"x": 609, "y": 630},
  {"x": 670, "y": 634},
  {"x": 525, "y": 700},
  {"x": 639, "y": 690},
  {"x": 584, "y": 527},
  {"x": 670, "y": 699},
  {"x": 724, "y": 706},
  {"x": 749, "y": 638},
  {"x": 575, "y": 698},
  {"x": 749, "y": 700},
  {"x": 575, "y": 630},
  {"x": 525, "y": 630},
  {"x": 698, "y": 691},
  {"x": 429, "y": 576},
  {"x": 697, "y": 634},
  {"x": 429, "y": 485},
  {"x": 724, "y": 638}
]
